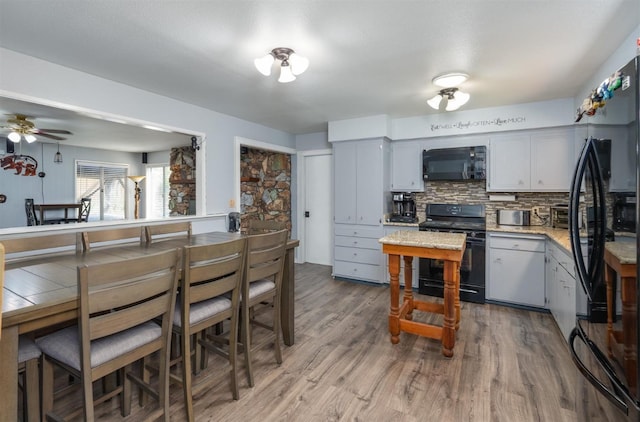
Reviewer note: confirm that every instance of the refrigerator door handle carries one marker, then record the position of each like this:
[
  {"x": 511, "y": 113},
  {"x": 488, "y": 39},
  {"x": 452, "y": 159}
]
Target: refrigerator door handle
[
  {"x": 574, "y": 210},
  {"x": 619, "y": 400}
]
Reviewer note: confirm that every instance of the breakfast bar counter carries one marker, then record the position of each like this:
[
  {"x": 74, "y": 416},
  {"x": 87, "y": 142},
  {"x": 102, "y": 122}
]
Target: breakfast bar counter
[{"x": 448, "y": 247}]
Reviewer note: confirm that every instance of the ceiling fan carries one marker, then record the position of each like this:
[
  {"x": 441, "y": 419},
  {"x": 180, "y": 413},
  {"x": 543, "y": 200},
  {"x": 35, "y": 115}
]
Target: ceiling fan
[{"x": 19, "y": 127}]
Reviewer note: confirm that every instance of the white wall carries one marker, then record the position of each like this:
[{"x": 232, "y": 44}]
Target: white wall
[
  {"x": 29, "y": 76},
  {"x": 58, "y": 185},
  {"x": 312, "y": 141},
  {"x": 627, "y": 51}
]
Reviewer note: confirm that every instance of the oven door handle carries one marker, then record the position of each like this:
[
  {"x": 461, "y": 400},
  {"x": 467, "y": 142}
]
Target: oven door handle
[{"x": 620, "y": 391}]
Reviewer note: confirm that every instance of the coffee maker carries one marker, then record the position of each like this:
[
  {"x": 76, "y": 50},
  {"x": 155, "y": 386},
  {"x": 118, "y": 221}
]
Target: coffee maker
[{"x": 404, "y": 208}]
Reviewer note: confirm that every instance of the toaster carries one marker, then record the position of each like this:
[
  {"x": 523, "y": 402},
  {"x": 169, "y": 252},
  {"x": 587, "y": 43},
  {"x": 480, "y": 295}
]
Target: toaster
[{"x": 514, "y": 217}]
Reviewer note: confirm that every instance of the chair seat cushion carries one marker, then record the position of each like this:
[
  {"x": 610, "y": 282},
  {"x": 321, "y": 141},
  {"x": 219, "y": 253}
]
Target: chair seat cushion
[
  {"x": 259, "y": 287},
  {"x": 27, "y": 349},
  {"x": 64, "y": 345},
  {"x": 201, "y": 310}
]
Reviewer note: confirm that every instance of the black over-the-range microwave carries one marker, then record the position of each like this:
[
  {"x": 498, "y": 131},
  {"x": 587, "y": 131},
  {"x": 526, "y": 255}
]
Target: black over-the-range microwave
[{"x": 463, "y": 163}]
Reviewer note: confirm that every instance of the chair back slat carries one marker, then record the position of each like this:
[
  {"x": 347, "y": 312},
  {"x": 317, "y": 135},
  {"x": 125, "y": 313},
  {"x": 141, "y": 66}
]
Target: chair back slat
[
  {"x": 213, "y": 269},
  {"x": 128, "y": 292},
  {"x": 154, "y": 232},
  {"x": 265, "y": 226},
  {"x": 33, "y": 247},
  {"x": 204, "y": 291},
  {"x": 114, "y": 322},
  {"x": 97, "y": 238}
]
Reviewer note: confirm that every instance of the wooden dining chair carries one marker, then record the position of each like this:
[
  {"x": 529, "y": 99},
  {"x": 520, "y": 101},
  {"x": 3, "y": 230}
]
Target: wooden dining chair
[
  {"x": 209, "y": 295},
  {"x": 120, "y": 303},
  {"x": 102, "y": 237},
  {"x": 30, "y": 210},
  {"x": 162, "y": 231},
  {"x": 262, "y": 284},
  {"x": 85, "y": 209},
  {"x": 265, "y": 226}
]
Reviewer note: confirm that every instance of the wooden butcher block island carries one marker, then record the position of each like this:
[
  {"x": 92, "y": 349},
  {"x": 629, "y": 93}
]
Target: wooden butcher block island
[{"x": 448, "y": 247}]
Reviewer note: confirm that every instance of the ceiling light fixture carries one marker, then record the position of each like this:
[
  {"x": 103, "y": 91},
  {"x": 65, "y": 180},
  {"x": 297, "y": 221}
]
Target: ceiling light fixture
[
  {"x": 14, "y": 137},
  {"x": 449, "y": 80},
  {"x": 291, "y": 64},
  {"x": 57, "y": 158},
  {"x": 454, "y": 99}
]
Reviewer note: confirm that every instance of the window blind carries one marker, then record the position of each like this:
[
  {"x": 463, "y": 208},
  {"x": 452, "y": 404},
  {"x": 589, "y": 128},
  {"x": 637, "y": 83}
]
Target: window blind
[
  {"x": 105, "y": 184},
  {"x": 157, "y": 185}
]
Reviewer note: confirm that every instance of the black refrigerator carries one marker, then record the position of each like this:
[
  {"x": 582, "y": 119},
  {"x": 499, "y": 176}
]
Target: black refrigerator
[{"x": 606, "y": 384}]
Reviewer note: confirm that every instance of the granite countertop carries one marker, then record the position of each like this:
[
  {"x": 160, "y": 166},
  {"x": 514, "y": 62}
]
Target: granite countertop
[
  {"x": 432, "y": 240},
  {"x": 625, "y": 252},
  {"x": 560, "y": 236},
  {"x": 394, "y": 223}
]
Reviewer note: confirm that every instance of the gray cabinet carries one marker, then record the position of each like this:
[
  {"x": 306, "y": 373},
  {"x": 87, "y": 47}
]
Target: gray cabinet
[
  {"x": 406, "y": 167},
  {"x": 358, "y": 182},
  {"x": 358, "y": 254},
  {"x": 561, "y": 287},
  {"x": 538, "y": 161},
  {"x": 361, "y": 192},
  {"x": 515, "y": 269}
]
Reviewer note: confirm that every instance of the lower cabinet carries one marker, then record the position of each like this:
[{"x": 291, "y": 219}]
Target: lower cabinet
[
  {"x": 516, "y": 271},
  {"x": 414, "y": 267},
  {"x": 561, "y": 288},
  {"x": 357, "y": 252}
]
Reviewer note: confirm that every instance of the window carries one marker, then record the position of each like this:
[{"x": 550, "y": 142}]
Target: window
[
  {"x": 105, "y": 184},
  {"x": 157, "y": 194}
]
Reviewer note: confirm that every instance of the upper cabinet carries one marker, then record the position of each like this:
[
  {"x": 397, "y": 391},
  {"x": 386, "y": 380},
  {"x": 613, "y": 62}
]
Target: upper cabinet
[
  {"x": 360, "y": 181},
  {"x": 406, "y": 167},
  {"x": 539, "y": 161}
]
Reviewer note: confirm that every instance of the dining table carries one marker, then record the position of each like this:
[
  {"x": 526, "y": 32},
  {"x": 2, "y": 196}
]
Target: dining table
[
  {"x": 40, "y": 293},
  {"x": 74, "y": 207}
]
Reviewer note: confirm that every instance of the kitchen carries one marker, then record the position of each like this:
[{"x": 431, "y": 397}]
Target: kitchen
[{"x": 464, "y": 128}]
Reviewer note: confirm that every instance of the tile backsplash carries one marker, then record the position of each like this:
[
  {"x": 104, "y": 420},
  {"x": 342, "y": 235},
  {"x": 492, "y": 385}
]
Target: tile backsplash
[{"x": 474, "y": 192}]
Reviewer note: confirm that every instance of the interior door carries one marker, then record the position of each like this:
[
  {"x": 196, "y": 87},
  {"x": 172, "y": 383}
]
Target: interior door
[{"x": 318, "y": 209}]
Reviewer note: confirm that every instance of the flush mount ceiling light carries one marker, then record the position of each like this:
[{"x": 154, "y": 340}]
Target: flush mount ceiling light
[
  {"x": 454, "y": 99},
  {"x": 291, "y": 64},
  {"x": 449, "y": 80}
]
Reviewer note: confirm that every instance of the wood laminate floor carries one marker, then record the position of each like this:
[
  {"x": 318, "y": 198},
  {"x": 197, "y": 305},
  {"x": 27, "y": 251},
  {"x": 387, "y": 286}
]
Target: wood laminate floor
[{"x": 509, "y": 365}]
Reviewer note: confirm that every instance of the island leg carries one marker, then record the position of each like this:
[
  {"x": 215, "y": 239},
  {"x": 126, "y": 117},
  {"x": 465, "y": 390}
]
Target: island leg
[
  {"x": 394, "y": 284},
  {"x": 408, "y": 287},
  {"x": 449, "y": 320}
]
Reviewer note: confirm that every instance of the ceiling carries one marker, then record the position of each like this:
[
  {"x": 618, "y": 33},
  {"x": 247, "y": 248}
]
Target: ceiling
[{"x": 366, "y": 57}]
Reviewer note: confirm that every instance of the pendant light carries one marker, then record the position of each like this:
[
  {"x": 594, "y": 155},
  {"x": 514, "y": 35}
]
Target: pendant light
[{"x": 57, "y": 158}]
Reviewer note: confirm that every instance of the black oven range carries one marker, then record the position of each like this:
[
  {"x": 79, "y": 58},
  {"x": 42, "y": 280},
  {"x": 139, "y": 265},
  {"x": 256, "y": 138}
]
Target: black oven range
[{"x": 456, "y": 218}]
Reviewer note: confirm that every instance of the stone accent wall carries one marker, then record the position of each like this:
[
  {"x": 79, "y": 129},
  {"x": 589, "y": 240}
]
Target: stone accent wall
[
  {"x": 265, "y": 186},
  {"x": 182, "y": 181}
]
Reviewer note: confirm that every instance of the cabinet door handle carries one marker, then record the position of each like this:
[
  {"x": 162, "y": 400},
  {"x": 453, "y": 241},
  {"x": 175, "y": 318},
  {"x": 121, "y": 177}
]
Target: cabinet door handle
[
  {"x": 498, "y": 261},
  {"x": 355, "y": 242},
  {"x": 516, "y": 245},
  {"x": 540, "y": 182}
]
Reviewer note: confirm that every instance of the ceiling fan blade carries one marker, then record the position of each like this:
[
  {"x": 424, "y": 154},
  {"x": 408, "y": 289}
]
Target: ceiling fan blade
[
  {"x": 46, "y": 135},
  {"x": 65, "y": 132}
]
